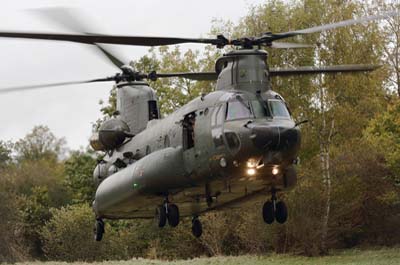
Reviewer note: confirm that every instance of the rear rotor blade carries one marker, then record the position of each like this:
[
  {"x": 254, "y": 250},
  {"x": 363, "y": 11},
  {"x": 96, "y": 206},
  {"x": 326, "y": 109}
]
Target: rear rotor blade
[
  {"x": 304, "y": 70},
  {"x": 74, "y": 20},
  {"x": 90, "y": 38},
  {"x": 23, "y": 88},
  {"x": 200, "y": 76}
]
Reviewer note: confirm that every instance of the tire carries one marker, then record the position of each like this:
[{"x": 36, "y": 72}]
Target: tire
[
  {"x": 281, "y": 213},
  {"x": 197, "y": 228},
  {"x": 161, "y": 216},
  {"x": 268, "y": 212},
  {"x": 173, "y": 215},
  {"x": 98, "y": 230}
]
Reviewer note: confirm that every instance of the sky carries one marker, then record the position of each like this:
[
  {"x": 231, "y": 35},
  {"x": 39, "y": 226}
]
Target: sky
[{"x": 69, "y": 111}]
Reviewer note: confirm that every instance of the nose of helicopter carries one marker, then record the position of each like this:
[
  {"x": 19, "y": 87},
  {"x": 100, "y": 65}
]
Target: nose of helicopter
[{"x": 276, "y": 138}]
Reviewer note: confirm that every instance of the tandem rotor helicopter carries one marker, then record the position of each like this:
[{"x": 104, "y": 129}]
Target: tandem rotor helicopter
[{"x": 219, "y": 150}]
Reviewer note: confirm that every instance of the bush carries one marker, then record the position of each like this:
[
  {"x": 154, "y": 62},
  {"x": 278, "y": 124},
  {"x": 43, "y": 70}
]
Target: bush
[
  {"x": 12, "y": 246},
  {"x": 68, "y": 236}
]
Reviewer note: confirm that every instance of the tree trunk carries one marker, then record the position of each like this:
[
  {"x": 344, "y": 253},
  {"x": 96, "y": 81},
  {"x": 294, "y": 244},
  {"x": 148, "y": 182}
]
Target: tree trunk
[
  {"x": 325, "y": 166},
  {"x": 325, "y": 137}
]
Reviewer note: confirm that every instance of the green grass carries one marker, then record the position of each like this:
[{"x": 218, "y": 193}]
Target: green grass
[{"x": 387, "y": 256}]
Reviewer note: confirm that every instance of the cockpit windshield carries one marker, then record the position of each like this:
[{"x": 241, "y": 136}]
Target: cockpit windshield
[
  {"x": 243, "y": 109},
  {"x": 238, "y": 110},
  {"x": 278, "y": 108}
]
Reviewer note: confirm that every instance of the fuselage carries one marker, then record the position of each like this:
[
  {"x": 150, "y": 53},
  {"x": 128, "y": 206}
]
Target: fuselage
[{"x": 227, "y": 145}]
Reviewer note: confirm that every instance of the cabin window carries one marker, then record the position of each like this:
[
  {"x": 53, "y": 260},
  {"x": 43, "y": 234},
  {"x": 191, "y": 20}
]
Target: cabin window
[
  {"x": 188, "y": 130},
  {"x": 278, "y": 108},
  {"x": 153, "y": 110}
]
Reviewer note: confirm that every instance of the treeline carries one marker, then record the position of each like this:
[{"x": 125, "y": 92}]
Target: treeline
[{"x": 348, "y": 191}]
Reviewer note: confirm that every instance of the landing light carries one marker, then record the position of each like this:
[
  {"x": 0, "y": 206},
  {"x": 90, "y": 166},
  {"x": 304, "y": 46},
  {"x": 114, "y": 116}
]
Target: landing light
[
  {"x": 275, "y": 171},
  {"x": 251, "y": 164},
  {"x": 251, "y": 171}
]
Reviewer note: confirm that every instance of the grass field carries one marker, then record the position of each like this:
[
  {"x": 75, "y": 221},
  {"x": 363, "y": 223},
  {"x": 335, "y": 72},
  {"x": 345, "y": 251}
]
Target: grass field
[{"x": 348, "y": 257}]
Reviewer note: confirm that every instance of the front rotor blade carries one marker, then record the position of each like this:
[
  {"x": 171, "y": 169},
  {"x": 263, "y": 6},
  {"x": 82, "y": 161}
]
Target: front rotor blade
[
  {"x": 23, "y": 88},
  {"x": 333, "y": 25},
  {"x": 202, "y": 76},
  {"x": 304, "y": 70}
]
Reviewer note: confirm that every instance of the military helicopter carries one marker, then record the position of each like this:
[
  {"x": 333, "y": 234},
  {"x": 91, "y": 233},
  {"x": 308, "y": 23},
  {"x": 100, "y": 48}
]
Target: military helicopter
[{"x": 221, "y": 149}]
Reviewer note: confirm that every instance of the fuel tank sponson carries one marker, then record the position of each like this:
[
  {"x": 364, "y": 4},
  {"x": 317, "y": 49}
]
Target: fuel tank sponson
[{"x": 157, "y": 173}]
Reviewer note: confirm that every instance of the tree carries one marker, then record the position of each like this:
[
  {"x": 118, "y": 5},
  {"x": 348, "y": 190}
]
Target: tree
[
  {"x": 5, "y": 153},
  {"x": 12, "y": 248},
  {"x": 35, "y": 180},
  {"x": 391, "y": 31},
  {"x": 40, "y": 143},
  {"x": 78, "y": 176},
  {"x": 383, "y": 133}
]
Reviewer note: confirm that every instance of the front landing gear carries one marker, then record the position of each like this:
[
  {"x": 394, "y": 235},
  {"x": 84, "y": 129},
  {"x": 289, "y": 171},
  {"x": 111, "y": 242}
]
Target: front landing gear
[
  {"x": 281, "y": 213},
  {"x": 268, "y": 212},
  {"x": 273, "y": 210},
  {"x": 197, "y": 228},
  {"x": 98, "y": 229}
]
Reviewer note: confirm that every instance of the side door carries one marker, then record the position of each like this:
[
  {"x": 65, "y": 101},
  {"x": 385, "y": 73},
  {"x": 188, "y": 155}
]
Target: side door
[{"x": 197, "y": 142}]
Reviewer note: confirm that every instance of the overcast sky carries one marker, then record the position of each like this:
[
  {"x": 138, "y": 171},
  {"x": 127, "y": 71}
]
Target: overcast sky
[{"x": 69, "y": 111}]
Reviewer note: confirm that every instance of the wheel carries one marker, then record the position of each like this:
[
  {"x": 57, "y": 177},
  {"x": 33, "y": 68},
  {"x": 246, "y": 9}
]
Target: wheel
[
  {"x": 197, "y": 228},
  {"x": 98, "y": 230},
  {"x": 161, "y": 216},
  {"x": 173, "y": 215},
  {"x": 281, "y": 213},
  {"x": 268, "y": 212}
]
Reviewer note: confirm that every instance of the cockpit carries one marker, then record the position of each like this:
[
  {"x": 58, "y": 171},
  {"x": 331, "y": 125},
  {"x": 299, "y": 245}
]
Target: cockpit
[
  {"x": 234, "y": 109},
  {"x": 239, "y": 107}
]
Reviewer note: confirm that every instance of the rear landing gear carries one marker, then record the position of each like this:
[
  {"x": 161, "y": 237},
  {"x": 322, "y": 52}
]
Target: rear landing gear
[
  {"x": 273, "y": 210},
  {"x": 98, "y": 229},
  {"x": 167, "y": 211},
  {"x": 161, "y": 216},
  {"x": 197, "y": 228}
]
